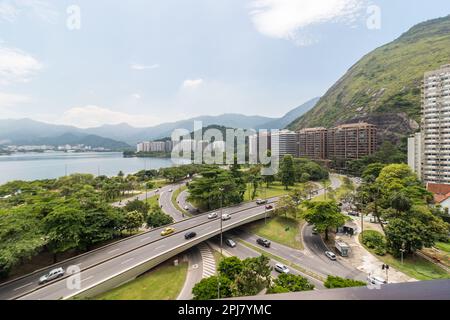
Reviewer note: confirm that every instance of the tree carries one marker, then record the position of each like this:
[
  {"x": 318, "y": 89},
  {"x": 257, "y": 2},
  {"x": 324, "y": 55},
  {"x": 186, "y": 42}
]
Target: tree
[
  {"x": 290, "y": 283},
  {"x": 400, "y": 202},
  {"x": 287, "y": 206},
  {"x": 206, "y": 289},
  {"x": 287, "y": 172},
  {"x": 333, "y": 282},
  {"x": 230, "y": 267},
  {"x": 133, "y": 221},
  {"x": 324, "y": 215},
  {"x": 137, "y": 205},
  {"x": 254, "y": 277},
  {"x": 64, "y": 228},
  {"x": 157, "y": 218}
]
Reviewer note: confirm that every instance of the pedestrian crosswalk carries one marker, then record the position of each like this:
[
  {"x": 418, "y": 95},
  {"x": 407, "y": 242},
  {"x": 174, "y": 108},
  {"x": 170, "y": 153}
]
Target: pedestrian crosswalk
[{"x": 209, "y": 263}]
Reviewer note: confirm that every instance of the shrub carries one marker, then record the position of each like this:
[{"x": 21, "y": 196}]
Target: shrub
[
  {"x": 374, "y": 240},
  {"x": 338, "y": 282}
]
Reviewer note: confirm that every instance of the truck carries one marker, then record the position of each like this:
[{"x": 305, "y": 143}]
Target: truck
[{"x": 342, "y": 247}]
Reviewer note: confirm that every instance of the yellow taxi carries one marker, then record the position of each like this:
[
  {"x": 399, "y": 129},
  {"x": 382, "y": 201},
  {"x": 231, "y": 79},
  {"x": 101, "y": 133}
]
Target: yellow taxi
[{"x": 167, "y": 231}]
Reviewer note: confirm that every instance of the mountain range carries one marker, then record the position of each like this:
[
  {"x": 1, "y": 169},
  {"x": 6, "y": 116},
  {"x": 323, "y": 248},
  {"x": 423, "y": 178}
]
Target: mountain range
[
  {"x": 384, "y": 87},
  {"x": 125, "y": 136}
]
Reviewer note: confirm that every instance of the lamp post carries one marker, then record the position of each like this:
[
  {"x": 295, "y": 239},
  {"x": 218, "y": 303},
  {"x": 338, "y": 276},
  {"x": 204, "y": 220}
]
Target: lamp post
[
  {"x": 402, "y": 250},
  {"x": 265, "y": 207},
  {"x": 221, "y": 190}
]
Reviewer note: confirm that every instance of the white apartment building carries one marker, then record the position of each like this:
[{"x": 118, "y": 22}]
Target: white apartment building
[
  {"x": 415, "y": 153},
  {"x": 152, "y": 146},
  {"x": 436, "y": 126}
]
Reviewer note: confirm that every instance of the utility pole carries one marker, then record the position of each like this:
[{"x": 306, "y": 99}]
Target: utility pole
[{"x": 265, "y": 207}]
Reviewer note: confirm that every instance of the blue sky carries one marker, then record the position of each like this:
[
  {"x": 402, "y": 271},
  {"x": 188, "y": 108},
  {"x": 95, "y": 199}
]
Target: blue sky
[{"x": 146, "y": 62}]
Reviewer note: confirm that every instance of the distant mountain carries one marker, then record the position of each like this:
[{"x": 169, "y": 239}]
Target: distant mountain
[
  {"x": 384, "y": 87},
  {"x": 119, "y": 136},
  {"x": 29, "y": 132},
  {"x": 133, "y": 135},
  {"x": 291, "y": 116}
]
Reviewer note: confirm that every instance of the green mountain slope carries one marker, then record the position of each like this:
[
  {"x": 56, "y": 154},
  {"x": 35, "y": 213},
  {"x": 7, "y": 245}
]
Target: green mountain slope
[{"x": 384, "y": 87}]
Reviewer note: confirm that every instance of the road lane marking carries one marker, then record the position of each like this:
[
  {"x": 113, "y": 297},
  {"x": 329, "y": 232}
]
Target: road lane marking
[
  {"x": 145, "y": 239},
  {"x": 112, "y": 251},
  {"x": 88, "y": 278},
  {"x": 160, "y": 247},
  {"x": 126, "y": 261},
  {"x": 25, "y": 285}
]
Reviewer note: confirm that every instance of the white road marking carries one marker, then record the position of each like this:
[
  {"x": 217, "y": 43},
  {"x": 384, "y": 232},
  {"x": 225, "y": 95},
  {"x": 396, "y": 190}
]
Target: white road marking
[
  {"x": 88, "y": 278},
  {"x": 25, "y": 285},
  {"x": 145, "y": 239},
  {"x": 112, "y": 251},
  {"x": 160, "y": 247},
  {"x": 126, "y": 261}
]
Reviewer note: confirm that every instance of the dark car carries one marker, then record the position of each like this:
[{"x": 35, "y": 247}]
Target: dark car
[
  {"x": 269, "y": 207},
  {"x": 230, "y": 243},
  {"x": 263, "y": 242},
  {"x": 190, "y": 235}
]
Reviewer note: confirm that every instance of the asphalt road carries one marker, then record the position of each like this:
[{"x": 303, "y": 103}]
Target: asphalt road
[
  {"x": 243, "y": 252},
  {"x": 110, "y": 260},
  {"x": 165, "y": 201}
]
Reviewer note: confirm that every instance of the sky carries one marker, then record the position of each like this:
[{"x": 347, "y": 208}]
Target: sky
[{"x": 92, "y": 62}]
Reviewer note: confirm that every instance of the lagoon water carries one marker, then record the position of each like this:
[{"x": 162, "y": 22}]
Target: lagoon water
[{"x": 35, "y": 166}]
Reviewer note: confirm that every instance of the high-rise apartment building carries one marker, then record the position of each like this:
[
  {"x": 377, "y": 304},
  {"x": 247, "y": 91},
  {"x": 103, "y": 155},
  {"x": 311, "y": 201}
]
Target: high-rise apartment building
[
  {"x": 283, "y": 143},
  {"x": 351, "y": 141},
  {"x": 415, "y": 153},
  {"x": 312, "y": 143},
  {"x": 436, "y": 126}
]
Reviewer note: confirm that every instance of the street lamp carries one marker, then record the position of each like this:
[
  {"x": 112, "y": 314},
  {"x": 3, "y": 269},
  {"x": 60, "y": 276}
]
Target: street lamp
[
  {"x": 265, "y": 207},
  {"x": 221, "y": 190},
  {"x": 402, "y": 250}
]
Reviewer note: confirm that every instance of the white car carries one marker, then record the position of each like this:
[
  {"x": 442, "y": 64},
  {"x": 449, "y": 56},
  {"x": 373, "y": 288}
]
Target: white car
[
  {"x": 261, "y": 201},
  {"x": 330, "y": 255},
  {"x": 52, "y": 275},
  {"x": 226, "y": 216},
  {"x": 376, "y": 280},
  {"x": 212, "y": 215},
  {"x": 281, "y": 268},
  {"x": 170, "y": 190},
  {"x": 186, "y": 208}
]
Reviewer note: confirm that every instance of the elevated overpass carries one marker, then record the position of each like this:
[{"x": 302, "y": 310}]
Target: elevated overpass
[{"x": 122, "y": 261}]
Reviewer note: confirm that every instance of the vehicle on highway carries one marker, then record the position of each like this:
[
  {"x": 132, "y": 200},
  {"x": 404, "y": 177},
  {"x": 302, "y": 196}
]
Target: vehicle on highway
[
  {"x": 315, "y": 231},
  {"x": 353, "y": 214},
  {"x": 190, "y": 235},
  {"x": 170, "y": 190},
  {"x": 229, "y": 242},
  {"x": 376, "y": 280},
  {"x": 269, "y": 207},
  {"x": 281, "y": 268},
  {"x": 261, "y": 201},
  {"x": 212, "y": 215},
  {"x": 263, "y": 242},
  {"x": 226, "y": 216},
  {"x": 330, "y": 255},
  {"x": 167, "y": 231},
  {"x": 186, "y": 208},
  {"x": 52, "y": 275}
]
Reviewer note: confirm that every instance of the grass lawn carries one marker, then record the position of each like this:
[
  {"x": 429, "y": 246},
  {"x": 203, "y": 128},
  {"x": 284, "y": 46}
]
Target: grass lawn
[
  {"x": 275, "y": 230},
  {"x": 443, "y": 246},
  {"x": 175, "y": 195},
  {"x": 276, "y": 189},
  {"x": 413, "y": 266},
  {"x": 162, "y": 283},
  {"x": 153, "y": 201}
]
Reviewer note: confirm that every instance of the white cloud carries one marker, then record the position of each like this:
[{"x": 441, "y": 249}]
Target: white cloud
[
  {"x": 136, "y": 96},
  {"x": 141, "y": 67},
  {"x": 192, "y": 83},
  {"x": 11, "y": 100},
  {"x": 10, "y": 10},
  {"x": 17, "y": 66},
  {"x": 94, "y": 116},
  {"x": 289, "y": 19}
]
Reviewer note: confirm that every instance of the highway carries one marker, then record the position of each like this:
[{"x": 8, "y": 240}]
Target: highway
[{"x": 109, "y": 261}]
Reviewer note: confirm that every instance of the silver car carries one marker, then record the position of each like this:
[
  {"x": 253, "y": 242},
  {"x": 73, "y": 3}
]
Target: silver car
[
  {"x": 330, "y": 255},
  {"x": 52, "y": 275},
  {"x": 212, "y": 215},
  {"x": 281, "y": 268}
]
